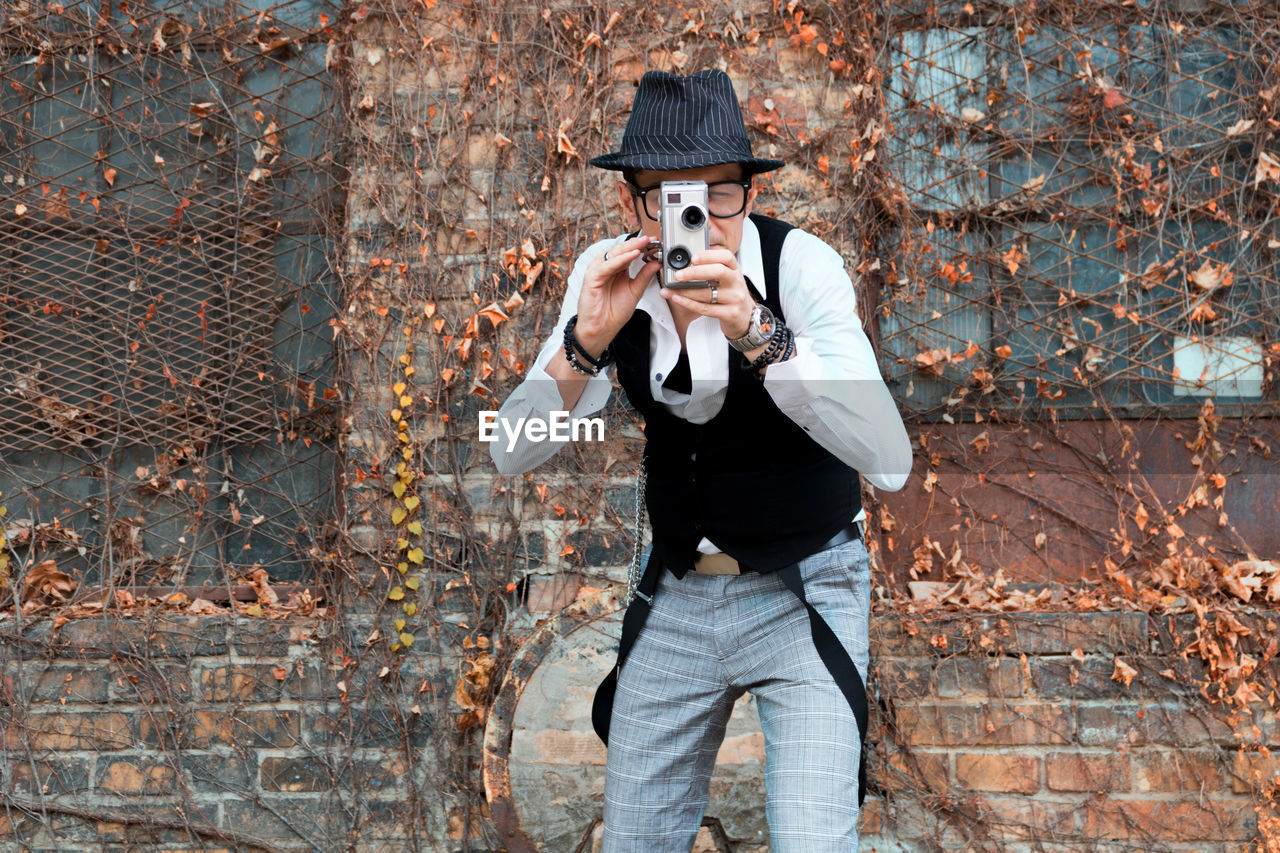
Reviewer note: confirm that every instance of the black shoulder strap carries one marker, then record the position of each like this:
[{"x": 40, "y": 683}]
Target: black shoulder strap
[
  {"x": 632, "y": 623},
  {"x": 839, "y": 664}
]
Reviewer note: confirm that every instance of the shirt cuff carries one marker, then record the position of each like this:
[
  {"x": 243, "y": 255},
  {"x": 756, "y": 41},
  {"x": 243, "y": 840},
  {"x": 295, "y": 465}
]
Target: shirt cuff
[
  {"x": 544, "y": 393},
  {"x": 785, "y": 380}
]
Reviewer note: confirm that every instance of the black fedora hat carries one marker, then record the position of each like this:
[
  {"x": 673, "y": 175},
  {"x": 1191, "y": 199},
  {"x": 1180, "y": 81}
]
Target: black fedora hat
[{"x": 685, "y": 123}]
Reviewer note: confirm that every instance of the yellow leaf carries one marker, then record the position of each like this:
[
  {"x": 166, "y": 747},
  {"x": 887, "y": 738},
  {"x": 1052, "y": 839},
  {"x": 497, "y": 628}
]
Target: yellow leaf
[
  {"x": 411, "y": 502},
  {"x": 399, "y": 625},
  {"x": 402, "y": 567},
  {"x": 415, "y": 556},
  {"x": 401, "y": 544},
  {"x": 405, "y": 401},
  {"x": 407, "y": 453},
  {"x": 399, "y": 387},
  {"x": 410, "y": 608},
  {"x": 395, "y": 414},
  {"x": 406, "y": 638},
  {"x": 412, "y": 583},
  {"x": 254, "y": 610},
  {"x": 415, "y": 527},
  {"x": 398, "y": 489},
  {"x": 398, "y": 515},
  {"x": 396, "y": 594}
]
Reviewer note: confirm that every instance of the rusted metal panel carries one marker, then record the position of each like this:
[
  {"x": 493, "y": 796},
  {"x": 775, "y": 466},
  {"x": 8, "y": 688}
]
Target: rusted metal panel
[{"x": 1000, "y": 487}]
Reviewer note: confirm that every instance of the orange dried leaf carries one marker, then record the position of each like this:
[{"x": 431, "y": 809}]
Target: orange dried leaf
[
  {"x": 1013, "y": 259},
  {"x": 563, "y": 145},
  {"x": 494, "y": 314},
  {"x": 1210, "y": 276},
  {"x": 1123, "y": 673}
]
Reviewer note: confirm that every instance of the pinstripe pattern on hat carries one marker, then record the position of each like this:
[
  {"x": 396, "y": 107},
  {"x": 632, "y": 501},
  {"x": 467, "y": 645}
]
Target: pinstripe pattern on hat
[{"x": 685, "y": 123}]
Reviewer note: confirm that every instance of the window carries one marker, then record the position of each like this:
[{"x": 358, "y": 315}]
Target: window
[
  {"x": 166, "y": 367},
  {"x": 1088, "y": 219}
]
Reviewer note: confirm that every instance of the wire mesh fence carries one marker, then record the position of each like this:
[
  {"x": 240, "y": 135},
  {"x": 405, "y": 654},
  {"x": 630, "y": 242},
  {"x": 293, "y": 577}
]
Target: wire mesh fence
[
  {"x": 1089, "y": 208},
  {"x": 169, "y": 199}
]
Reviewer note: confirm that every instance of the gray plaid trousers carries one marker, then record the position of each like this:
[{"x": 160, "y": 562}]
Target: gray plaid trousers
[{"x": 708, "y": 639}]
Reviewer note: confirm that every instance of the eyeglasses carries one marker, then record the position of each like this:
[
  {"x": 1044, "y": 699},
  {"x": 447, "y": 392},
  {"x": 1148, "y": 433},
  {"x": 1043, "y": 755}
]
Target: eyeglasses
[{"x": 725, "y": 199}]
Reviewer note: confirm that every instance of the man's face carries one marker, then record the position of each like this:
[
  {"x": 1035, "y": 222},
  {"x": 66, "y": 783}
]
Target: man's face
[{"x": 723, "y": 233}]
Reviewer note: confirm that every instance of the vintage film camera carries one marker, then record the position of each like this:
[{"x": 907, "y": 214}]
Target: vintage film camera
[{"x": 684, "y": 228}]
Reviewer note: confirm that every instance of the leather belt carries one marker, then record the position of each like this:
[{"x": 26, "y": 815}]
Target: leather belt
[{"x": 723, "y": 564}]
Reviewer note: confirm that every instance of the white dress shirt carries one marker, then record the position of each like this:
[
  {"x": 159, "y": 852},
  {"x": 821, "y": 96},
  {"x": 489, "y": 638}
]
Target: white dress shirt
[{"x": 831, "y": 386}]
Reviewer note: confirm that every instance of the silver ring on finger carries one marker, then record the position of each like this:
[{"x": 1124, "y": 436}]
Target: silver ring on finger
[{"x": 715, "y": 294}]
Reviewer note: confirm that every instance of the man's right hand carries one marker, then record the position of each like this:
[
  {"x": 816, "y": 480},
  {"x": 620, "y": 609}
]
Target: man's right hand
[{"x": 609, "y": 293}]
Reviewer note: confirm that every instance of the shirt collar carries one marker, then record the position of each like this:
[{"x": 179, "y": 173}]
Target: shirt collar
[{"x": 750, "y": 261}]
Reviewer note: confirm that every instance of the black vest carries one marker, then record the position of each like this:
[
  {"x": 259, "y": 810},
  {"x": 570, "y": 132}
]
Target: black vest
[{"x": 750, "y": 480}]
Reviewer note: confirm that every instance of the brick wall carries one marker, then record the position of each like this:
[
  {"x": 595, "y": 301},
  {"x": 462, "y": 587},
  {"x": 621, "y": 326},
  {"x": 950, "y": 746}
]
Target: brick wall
[
  {"x": 989, "y": 732},
  {"x": 204, "y": 734},
  {"x": 1014, "y": 733},
  {"x": 219, "y": 732}
]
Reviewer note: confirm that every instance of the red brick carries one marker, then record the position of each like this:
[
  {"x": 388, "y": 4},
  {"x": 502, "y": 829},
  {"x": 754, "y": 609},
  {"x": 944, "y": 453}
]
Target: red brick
[
  {"x": 1037, "y": 816},
  {"x": 1175, "y": 724},
  {"x": 107, "y": 730},
  {"x": 1002, "y": 772},
  {"x": 1074, "y": 771},
  {"x": 913, "y": 771},
  {"x": 985, "y": 676},
  {"x": 295, "y": 775},
  {"x": 228, "y": 683},
  {"x": 989, "y": 724},
  {"x": 1143, "y": 820},
  {"x": 1252, "y": 770},
  {"x": 1062, "y": 633},
  {"x": 1196, "y": 770},
  {"x": 137, "y": 776}
]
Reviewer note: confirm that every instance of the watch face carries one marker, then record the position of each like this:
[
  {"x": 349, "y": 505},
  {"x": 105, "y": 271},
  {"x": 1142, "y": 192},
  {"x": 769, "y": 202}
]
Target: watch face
[{"x": 766, "y": 321}]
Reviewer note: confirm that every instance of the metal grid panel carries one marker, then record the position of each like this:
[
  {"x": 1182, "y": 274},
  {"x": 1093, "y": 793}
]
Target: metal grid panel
[
  {"x": 1088, "y": 223},
  {"x": 169, "y": 196}
]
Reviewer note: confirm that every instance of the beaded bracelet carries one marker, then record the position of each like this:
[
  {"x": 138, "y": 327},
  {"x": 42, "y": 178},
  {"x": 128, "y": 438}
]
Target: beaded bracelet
[
  {"x": 572, "y": 349},
  {"x": 779, "y": 341}
]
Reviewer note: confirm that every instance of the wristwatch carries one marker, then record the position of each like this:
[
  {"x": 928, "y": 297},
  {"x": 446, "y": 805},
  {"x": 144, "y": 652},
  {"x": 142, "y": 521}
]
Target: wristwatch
[{"x": 759, "y": 330}]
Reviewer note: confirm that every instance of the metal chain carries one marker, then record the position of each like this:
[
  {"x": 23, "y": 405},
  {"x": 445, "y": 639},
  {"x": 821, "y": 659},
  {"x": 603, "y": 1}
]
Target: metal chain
[{"x": 634, "y": 571}]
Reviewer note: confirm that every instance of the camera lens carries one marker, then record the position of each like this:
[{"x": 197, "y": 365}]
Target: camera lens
[
  {"x": 678, "y": 258},
  {"x": 693, "y": 217}
]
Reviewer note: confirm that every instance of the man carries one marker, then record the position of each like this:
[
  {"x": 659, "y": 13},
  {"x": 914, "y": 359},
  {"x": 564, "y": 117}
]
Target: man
[{"x": 762, "y": 400}]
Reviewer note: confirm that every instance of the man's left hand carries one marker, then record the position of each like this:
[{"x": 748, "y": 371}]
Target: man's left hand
[{"x": 733, "y": 301}]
